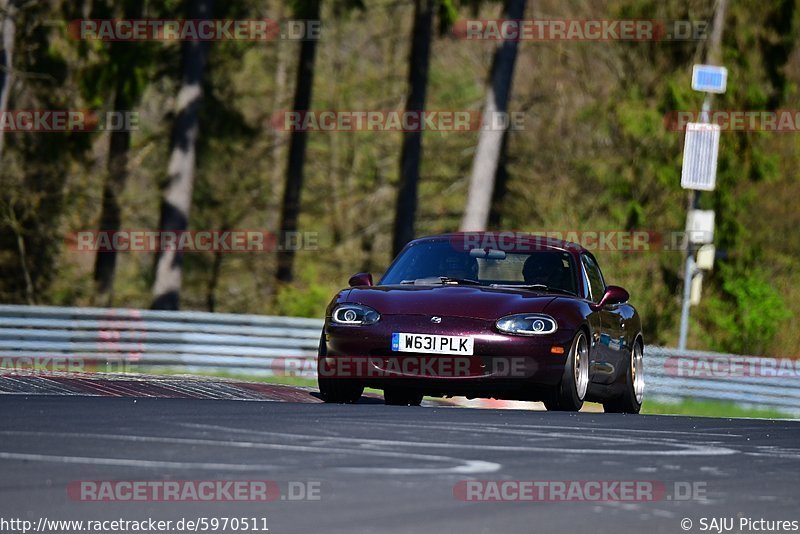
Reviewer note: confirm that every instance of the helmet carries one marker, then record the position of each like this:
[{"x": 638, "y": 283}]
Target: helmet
[{"x": 550, "y": 268}]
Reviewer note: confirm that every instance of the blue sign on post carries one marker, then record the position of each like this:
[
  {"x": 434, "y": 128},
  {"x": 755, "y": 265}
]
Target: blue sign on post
[{"x": 709, "y": 78}]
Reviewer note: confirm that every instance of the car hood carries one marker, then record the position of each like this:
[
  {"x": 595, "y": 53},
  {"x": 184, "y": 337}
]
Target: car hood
[{"x": 450, "y": 301}]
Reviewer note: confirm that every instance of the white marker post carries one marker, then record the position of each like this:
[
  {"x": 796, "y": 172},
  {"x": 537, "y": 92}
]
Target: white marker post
[{"x": 699, "y": 173}]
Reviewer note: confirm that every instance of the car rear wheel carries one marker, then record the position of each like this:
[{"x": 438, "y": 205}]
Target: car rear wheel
[
  {"x": 334, "y": 389},
  {"x": 401, "y": 397},
  {"x": 631, "y": 400},
  {"x": 575, "y": 380}
]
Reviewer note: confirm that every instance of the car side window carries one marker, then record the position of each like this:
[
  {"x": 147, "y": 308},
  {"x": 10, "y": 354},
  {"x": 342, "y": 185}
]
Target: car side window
[{"x": 596, "y": 284}]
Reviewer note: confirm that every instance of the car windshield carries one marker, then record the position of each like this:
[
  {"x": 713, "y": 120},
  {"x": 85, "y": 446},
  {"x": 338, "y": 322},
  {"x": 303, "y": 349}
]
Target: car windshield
[{"x": 440, "y": 262}]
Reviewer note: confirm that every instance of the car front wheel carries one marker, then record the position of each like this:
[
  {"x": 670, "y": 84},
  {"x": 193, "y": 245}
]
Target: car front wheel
[
  {"x": 631, "y": 400},
  {"x": 335, "y": 389},
  {"x": 575, "y": 380}
]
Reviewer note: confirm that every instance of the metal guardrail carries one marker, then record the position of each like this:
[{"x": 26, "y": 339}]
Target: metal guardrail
[
  {"x": 110, "y": 339},
  {"x": 144, "y": 340},
  {"x": 749, "y": 381}
]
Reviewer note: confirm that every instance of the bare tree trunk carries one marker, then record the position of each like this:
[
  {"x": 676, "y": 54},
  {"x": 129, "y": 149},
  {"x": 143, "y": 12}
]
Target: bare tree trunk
[
  {"x": 500, "y": 186},
  {"x": 178, "y": 194},
  {"x": 213, "y": 283},
  {"x": 290, "y": 209},
  {"x": 117, "y": 174},
  {"x": 278, "y": 136},
  {"x": 411, "y": 155},
  {"x": 111, "y": 212},
  {"x": 8, "y": 28},
  {"x": 19, "y": 233},
  {"x": 490, "y": 141}
]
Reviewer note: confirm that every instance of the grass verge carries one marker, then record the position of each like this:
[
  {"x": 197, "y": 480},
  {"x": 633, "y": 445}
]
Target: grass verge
[{"x": 710, "y": 409}]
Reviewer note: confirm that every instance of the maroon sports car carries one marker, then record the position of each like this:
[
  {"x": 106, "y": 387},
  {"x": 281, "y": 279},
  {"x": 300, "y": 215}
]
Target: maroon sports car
[{"x": 495, "y": 315}]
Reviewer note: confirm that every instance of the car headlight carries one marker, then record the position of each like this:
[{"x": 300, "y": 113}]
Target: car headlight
[
  {"x": 527, "y": 324},
  {"x": 354, "y": 315}
]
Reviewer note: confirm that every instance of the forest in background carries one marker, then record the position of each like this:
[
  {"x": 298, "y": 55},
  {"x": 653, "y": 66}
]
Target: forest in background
[{"x": 595, "y": 154}]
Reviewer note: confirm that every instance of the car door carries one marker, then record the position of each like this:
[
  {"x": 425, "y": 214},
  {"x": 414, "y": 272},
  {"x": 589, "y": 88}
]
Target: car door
[{"x": 609, "y": 345}]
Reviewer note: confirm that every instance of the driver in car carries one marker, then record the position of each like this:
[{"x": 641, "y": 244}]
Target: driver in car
[{"x": 546, "y": 268}]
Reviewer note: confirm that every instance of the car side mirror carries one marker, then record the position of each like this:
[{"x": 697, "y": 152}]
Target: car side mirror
[
  {"x": 360, "y": 279},
  {"x": 613, "y": 295}
]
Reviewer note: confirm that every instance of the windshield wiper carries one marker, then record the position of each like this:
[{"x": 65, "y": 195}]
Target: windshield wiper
[
  {"x": 535, "y": 287},
  {"x": 445, "y": 280}
]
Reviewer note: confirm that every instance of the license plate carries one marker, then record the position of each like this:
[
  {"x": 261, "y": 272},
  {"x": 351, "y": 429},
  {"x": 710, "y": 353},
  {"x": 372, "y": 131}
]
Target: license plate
[{"x": 430, "y": 343}]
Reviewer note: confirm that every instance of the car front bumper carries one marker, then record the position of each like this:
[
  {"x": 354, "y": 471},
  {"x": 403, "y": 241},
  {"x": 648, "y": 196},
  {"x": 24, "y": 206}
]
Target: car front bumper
[{"x": 501, "y": 364}]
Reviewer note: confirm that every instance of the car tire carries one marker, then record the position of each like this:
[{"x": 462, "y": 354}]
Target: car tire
[
  {"x": 401, "y": 397},
  {"x": 570, "y": 393},
  {"x": 335, "y": 389},
  {"x": 631, "y": 399}
]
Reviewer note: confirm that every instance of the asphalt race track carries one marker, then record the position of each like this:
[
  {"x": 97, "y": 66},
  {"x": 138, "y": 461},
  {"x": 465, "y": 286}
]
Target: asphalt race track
[{"x": 383, "y": 468}]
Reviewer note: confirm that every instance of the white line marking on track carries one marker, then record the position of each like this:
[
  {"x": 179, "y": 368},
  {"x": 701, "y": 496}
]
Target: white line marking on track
[
  {"x": 462, "y": 466},
  {"x": 679, "y": 448},
  {"x": 129, "y": 462}
]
